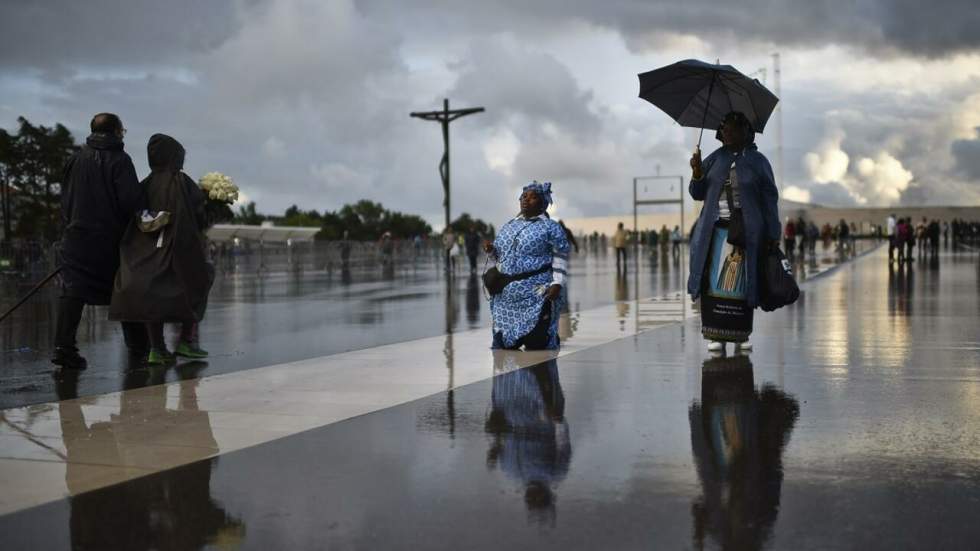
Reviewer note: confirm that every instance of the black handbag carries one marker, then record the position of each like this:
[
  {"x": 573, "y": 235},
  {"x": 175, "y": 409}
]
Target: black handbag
[
  {"x": 777, "y": 286},
  {"x": 495, "y": 280},
  {"x": 736, "y": 224}
]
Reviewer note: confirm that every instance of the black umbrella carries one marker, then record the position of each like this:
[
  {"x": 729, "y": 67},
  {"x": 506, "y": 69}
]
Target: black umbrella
[{"x": 699, "y": 94}]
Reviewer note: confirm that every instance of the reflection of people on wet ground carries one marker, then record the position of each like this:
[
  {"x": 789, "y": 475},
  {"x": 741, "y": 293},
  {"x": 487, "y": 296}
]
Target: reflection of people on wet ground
[
  {"x": 100, "y": 197},
  {"x": 900, "y": 286},
  {"x": 622, "y": 297},
  {"x": 533, "y": 251},
  {"x": 529, "y": 436},
  {"x": 738, "y": 435},
  {"x": 472, "y": 242},
  {"x": 164, "y": 275},
  {"x": 619, "y": 243},
  {"x": 345, "y": 248},
  {"x": 473, "y": 300},
  {"x": 734, "y": 181},
  {"x": 168, "y": 510}
]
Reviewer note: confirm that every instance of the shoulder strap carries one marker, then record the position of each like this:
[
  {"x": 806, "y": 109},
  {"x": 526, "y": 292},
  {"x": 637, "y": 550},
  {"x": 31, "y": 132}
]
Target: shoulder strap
[{"x": 732, "y": 181}]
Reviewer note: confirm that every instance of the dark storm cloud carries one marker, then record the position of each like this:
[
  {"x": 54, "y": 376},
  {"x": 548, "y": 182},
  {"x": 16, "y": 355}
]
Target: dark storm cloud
[
  {"x": 54, "y": 35},
  {"x": 525, "y": 88},
  {"x": 966, "y": 153},
  {"x": 881, "y": 26}
]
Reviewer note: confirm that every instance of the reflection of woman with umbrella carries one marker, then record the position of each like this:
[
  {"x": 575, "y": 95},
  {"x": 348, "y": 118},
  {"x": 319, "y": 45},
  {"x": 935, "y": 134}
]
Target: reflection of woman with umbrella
[
  {"x": 738, "y": 436},
  {"x": 740, "y": 217},
  {"x": 529, "y": 435}
]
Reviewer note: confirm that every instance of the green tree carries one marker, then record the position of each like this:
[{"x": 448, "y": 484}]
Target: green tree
[
  {"x": 367, "y": 220},
  {"x": 31, "y": 171},
  {"x": 295, "y": 217},
  {"x": 465, "y": 222},
  {"x": 247, "y": 215}
]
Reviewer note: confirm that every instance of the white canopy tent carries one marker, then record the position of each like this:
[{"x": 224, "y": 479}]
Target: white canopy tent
[{"x": 266, "y": 233}]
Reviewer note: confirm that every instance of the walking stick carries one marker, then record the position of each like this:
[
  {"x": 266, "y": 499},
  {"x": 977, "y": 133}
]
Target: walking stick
[{"x": 31, "y": 293}]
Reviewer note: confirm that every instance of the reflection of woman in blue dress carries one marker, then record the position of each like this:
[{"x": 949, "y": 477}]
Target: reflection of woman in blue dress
[
  {"x": 534, "y": 248},
  {"x": 529, "y": 435}
]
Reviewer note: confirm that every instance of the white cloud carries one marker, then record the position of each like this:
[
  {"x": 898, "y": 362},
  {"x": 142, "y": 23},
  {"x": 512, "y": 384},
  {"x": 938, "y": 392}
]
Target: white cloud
[
  {"x": 243, "y": 199},
  {"x": 829, "y": 163},
  {"x": 880, "y": 180},
  {"x": 797, "y": 194},
  {"x": 500, "y": 151}
]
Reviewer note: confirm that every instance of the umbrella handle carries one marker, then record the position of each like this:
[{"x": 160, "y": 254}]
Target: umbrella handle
[{"x": 707, "y": 103}]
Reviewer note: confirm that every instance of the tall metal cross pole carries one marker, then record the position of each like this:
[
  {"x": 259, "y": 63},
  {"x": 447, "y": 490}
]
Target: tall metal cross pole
[{"x": 445, "y": 117}]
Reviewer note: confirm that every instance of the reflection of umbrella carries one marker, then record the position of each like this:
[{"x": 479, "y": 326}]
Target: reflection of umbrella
[{"x": 699, "y": 94}]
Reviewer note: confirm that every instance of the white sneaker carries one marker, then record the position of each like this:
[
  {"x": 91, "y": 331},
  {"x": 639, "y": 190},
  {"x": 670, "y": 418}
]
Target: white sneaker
[
  {"x": 743, "y": 347},
  {"x": 716, "y": 346}
]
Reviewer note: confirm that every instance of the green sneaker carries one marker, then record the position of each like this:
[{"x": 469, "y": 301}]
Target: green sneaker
[
  {"x": 160, "y": 357},
  {"x": 190, "y": 350}
]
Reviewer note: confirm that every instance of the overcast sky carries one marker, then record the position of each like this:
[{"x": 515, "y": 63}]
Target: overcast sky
[{"x": 307, "y": 102}]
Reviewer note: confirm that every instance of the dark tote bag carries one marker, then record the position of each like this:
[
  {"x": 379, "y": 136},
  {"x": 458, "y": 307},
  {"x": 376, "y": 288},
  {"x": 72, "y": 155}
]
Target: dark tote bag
[{"x": 777, "y": 286}]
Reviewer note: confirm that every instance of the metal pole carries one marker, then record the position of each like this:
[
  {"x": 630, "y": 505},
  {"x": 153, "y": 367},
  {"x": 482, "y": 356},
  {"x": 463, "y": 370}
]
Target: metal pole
[
  {"x": 636, "y": 239},
  {"x": 777, "y": 72},
  {"x": 680, "y": 185},
  {"x": 445, "y": 177}
]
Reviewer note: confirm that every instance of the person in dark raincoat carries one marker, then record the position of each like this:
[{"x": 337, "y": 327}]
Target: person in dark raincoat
[
  {"x": 472, "y": 242},
  {"x": 164, "y": 275},
  {"x": 725, "y": 276},
  {"x": 100, "y": 197}
]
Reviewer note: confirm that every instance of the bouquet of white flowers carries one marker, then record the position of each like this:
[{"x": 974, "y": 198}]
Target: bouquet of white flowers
[{"x": 219, "y": 187}]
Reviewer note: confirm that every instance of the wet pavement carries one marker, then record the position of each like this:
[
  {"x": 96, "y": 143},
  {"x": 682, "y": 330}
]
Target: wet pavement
[
  {"x": 852, "y": 424},
  {"x": 254, "y": 321},
  {"x": 258, "y": 320}
]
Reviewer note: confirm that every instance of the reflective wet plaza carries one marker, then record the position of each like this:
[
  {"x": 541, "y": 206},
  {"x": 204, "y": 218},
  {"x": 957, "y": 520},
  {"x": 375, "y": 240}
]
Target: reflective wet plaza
[{"x": 369, "y": 414}]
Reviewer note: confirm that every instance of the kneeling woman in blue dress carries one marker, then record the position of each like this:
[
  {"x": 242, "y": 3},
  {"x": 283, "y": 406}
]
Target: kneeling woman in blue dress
[{"x": 532, "y": 250}]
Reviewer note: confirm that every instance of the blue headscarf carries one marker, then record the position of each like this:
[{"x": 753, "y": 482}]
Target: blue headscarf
[{"x": 543, "y": 191}]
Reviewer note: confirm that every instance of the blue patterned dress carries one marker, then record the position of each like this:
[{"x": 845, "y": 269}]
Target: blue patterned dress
[{"x": 526, "y": 245}]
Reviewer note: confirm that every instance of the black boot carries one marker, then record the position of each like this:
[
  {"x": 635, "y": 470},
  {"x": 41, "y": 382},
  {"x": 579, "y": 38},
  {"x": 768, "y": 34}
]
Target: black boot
[
  {"x": 68, "y": 357},
  {"x": 65, "y": 351}
]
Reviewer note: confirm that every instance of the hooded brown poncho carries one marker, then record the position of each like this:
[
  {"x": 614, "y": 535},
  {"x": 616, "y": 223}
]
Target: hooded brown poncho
[{"x": 169, "y": 283}]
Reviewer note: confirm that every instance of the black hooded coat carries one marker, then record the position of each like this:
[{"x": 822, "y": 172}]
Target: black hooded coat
[
  {"x": 100, "y": 197},
  {"x": 169, "y": 283}
]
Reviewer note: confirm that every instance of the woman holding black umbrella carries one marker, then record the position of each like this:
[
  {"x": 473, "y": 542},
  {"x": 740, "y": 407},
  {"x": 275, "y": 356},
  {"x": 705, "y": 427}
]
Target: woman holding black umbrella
[{"x": 739, "y": 220}]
